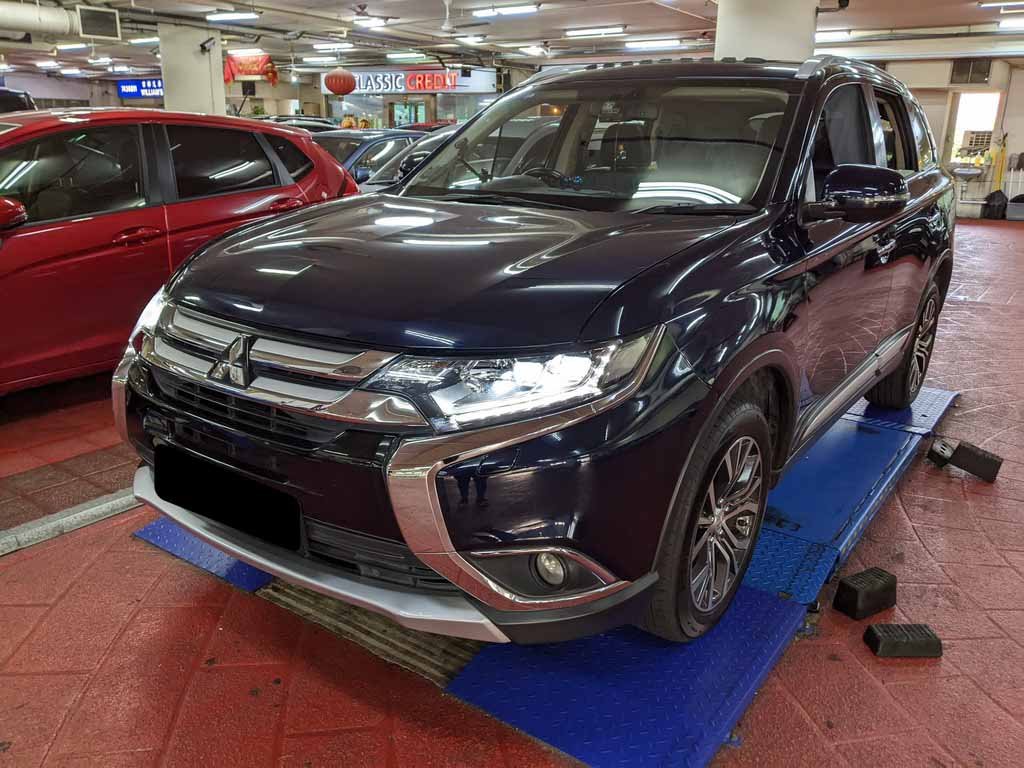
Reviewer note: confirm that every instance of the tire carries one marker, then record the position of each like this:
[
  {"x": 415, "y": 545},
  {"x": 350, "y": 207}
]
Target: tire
[
  {"x": 900, "y": 388},
  {"x": 684, "y": 606}
]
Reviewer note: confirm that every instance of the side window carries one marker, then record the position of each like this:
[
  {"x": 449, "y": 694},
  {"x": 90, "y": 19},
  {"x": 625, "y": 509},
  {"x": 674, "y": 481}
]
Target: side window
[
  {"x": 900, "y": 154},
  {"x": 377, "y": 155},
  {"x": 294, "y": 159},
  {"x": 842, "y": 137},
  {"x": 210, "y": 161},
  {"x": 75, "y": 173},
  {"x": 922, "y": 138}
]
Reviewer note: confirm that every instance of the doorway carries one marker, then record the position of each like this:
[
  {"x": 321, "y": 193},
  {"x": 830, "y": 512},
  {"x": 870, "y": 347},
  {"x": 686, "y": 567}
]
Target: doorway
[{"x": 404, "y": 110}]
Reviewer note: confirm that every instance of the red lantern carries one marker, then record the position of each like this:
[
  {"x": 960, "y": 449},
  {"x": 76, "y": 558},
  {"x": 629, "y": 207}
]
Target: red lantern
[{"x": 340, "y": 81}]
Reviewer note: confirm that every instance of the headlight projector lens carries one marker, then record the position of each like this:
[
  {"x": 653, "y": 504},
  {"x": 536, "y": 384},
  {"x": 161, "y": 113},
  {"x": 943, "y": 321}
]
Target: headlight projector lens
[{"x": 550, "y": 568}]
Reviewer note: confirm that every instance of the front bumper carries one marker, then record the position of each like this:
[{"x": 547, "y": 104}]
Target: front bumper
[
  {"x": 482, "y": 607},
  {"x": 441, "y": 614}
]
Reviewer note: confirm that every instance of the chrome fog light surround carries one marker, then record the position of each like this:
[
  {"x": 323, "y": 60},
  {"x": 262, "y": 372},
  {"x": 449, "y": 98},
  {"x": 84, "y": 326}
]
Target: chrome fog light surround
[{"x": 412, "y": 486}]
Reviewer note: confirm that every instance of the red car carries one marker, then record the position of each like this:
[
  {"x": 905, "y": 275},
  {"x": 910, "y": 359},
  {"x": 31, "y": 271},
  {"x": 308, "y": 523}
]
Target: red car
[{"x": 99, "y": 206}]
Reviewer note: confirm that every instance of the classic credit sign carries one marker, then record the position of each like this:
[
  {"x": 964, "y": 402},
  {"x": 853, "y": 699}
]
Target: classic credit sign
[{"x": 421, "y": 81}]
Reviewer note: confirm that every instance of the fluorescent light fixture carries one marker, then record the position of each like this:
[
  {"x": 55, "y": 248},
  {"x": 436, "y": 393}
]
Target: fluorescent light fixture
[
  {"x": 650, "y": 45},
  {"x": 507, "y": 10},
  {"x": 333, "y": 46},
  {"x": 50, "y": 64},
  {"x": 5, "y": 67},
  {"x": 233, "y": 16},
  {"x": 319, "y": 59},
  {"x": 1015, "y": 4},
  {"x": 71, "y": 71},
  {"x": 246, "y": 52},
  {"x": 71, "y": 46},
  {"x": 595, "y": 32},
  {"x": 471, "y": 39},
  {"x": 405, "y": 55},
  {"x": 120, "y": 68},
  {"x": 102, "y": 60},
  {"x": 1011, "y": 24},
  {"x": 535, "y": 50},
  {"x": 832, "y": 36},
  {"x": 369, "y": 22},
  {"x": 144, "y": 40}
]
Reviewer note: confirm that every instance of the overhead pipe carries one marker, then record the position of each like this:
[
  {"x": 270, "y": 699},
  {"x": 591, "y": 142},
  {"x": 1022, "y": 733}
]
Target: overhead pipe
[{"x": 38, "y": 19}]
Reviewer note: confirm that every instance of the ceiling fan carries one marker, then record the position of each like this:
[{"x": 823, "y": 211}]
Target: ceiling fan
[
  {"x": 450, "y": 28},
  {"x": 364, "y": 18}
]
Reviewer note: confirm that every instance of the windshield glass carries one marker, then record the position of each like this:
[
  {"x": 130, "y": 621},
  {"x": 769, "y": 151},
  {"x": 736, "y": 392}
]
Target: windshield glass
[
  {"x": 620, "y": 145},
  {"x": 340, "y": 149}
]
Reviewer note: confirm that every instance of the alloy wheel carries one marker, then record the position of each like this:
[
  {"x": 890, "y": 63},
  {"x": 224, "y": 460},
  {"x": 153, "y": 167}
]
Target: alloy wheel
[
  {"x": 723, "y": 535},
  {"x": 923, "y": 342}
]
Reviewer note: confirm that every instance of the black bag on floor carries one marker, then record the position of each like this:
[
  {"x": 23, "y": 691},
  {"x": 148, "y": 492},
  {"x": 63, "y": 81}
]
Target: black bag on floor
[{"x": 995, "y": 205}]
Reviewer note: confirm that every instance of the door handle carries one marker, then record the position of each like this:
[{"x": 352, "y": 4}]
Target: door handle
[
  {"x": 136, "y": 235},
  {"x": 285, "y": 204}
]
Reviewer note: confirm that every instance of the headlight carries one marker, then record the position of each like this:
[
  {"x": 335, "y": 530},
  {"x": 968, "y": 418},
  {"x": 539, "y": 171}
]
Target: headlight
[
  {"x": 463, "y": 393},
  {"x": 147, "y": 321}
]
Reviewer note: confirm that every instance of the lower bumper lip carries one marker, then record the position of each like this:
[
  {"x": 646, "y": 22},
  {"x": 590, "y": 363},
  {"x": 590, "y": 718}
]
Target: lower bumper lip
[{"x": 442, "y": 614}]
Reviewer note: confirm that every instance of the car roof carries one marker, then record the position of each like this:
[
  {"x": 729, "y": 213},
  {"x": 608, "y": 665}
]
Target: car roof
[
  {"x": 749, "y": 68},
  {"x": 46, "y": 119},
  {"x": 368, "y": 134}
]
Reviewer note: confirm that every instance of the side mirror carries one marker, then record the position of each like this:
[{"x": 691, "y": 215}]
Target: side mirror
[
  {"x": 410, "y": 164},
  {"x": 860, "y": 194},
  {"x": 12, "y": 213},
  {"x": 361, "y": 173}
]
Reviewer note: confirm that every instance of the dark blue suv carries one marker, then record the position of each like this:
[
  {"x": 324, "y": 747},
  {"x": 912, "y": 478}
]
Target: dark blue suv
[{"x": 541, "y": 387}]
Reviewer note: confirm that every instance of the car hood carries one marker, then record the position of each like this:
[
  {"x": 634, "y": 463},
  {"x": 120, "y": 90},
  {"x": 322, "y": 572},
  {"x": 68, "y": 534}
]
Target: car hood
[{"x": 418, "y": 273}]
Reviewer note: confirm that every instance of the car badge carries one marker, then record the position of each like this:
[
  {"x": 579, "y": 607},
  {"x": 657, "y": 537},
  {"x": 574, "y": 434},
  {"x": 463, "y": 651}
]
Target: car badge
[{"x": 233, "y": 366}]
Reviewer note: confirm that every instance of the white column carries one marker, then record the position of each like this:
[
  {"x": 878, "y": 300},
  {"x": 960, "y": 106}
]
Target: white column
[
  {"x": 781, "y": 30},
  {"x": 193, "y": 80}
]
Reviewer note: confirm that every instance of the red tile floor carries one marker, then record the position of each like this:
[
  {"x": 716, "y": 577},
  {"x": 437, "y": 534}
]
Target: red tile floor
[{"x": 115, "y": 654}]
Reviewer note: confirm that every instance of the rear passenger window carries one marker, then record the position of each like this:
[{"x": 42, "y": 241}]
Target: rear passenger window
[
  {"x": 842, "y": 137},
  {"x": 922, "y": 138},
  {"x": 210, "y": 161},
  {"x": 900, "y": 151},
  {"x": 294, "y": 159},
  {"x": 75, "y": 173},
  {"x": 377, "y": 155}
]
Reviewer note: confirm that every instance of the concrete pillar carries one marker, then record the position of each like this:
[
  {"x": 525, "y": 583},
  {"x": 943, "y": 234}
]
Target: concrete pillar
[
  {"x": 781, "y": 30},
  {"x": 193, "y": 80}
]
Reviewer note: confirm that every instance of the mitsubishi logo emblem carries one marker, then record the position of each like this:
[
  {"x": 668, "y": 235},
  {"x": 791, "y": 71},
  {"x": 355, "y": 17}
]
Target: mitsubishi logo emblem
[{"x": 233, "y": 366}]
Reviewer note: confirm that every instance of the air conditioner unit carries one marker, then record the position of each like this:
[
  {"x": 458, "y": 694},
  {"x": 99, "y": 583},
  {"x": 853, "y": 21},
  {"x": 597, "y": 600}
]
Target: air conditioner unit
[
  {"x": 99, "y": 23},
  {"x": 977, "y": 140}
]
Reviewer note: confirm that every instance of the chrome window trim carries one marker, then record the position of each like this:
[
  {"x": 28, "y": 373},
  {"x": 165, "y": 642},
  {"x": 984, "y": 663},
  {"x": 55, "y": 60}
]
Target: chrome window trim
[
  {"x": 412, "y": 485},
  {"x": 448, "y": 614}
]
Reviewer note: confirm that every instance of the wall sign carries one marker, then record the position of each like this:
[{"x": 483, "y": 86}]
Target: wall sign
[
  {"x": 421, "y": 81},
  {"x": 152, "y": 88}
]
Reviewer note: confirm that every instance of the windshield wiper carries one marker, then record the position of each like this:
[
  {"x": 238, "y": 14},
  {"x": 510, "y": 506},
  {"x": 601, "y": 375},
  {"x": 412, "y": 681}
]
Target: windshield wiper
[
  {"x": 500, "y": 198},
  {"x": 707, "y": 209}
]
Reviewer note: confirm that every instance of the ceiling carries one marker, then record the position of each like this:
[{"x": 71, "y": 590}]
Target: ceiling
[{"x": 288, "y": 30}]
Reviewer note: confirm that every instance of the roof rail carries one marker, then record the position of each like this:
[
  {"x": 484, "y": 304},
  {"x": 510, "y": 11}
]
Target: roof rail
[{"x": 815, "y": 64}]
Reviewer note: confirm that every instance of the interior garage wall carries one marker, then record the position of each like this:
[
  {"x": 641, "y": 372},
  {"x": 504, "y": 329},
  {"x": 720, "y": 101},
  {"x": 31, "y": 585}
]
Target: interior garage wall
[
  {"x": 274, "y": 99},
  {"x": 43, "y": 87},
  {"x": 1013, "y": 116}
]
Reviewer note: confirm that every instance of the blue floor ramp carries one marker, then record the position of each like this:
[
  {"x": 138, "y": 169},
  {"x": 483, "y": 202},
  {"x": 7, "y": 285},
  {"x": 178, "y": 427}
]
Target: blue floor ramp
[
  {"x": 626, "y": 699},
  {"x": 171, "y": 537}
]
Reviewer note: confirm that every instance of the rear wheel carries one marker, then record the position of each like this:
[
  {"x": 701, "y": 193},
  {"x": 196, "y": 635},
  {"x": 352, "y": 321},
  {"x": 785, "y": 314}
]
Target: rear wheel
[
  {"x": 900, "y": 388},
  {"x": 714, "y": 526}
]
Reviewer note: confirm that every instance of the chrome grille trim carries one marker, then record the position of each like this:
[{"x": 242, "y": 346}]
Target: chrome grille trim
[{"x": 189, "y": 345}]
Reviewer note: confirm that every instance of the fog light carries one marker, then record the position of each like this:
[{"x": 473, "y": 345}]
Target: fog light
[{"x": 550, "y": 568}]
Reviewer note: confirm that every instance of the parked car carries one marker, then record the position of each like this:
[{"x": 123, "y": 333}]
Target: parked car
[
  {"x": 529, "y": 403},
  {"x": 15, "y": 101},
  {"x": 428, "y": 126},
  {"x": 406, "y": 161},
  {"x": 311, "y": 124},
  {"x": 364, "y": 150},
  {"x": 99, "y": 206}
]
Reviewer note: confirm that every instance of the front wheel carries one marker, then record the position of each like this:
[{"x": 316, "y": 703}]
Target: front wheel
[
  {"x": 900, "y": 388},
  {"x": 713, "y": 527}
]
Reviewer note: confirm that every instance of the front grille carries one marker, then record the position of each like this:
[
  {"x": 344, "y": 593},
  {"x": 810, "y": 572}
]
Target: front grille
[
  {"x": 372, "y": 557},
  {"x": 246, "y": 415}
]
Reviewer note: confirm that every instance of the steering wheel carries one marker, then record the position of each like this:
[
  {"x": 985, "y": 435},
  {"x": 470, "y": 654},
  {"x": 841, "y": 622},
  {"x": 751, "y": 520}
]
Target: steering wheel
[{"x": 545, "y": 174}]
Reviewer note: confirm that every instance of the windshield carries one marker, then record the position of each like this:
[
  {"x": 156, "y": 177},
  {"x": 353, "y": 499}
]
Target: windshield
[
  {"x": 619, "y": 145},
  {"x": 340, "y": 149}
]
